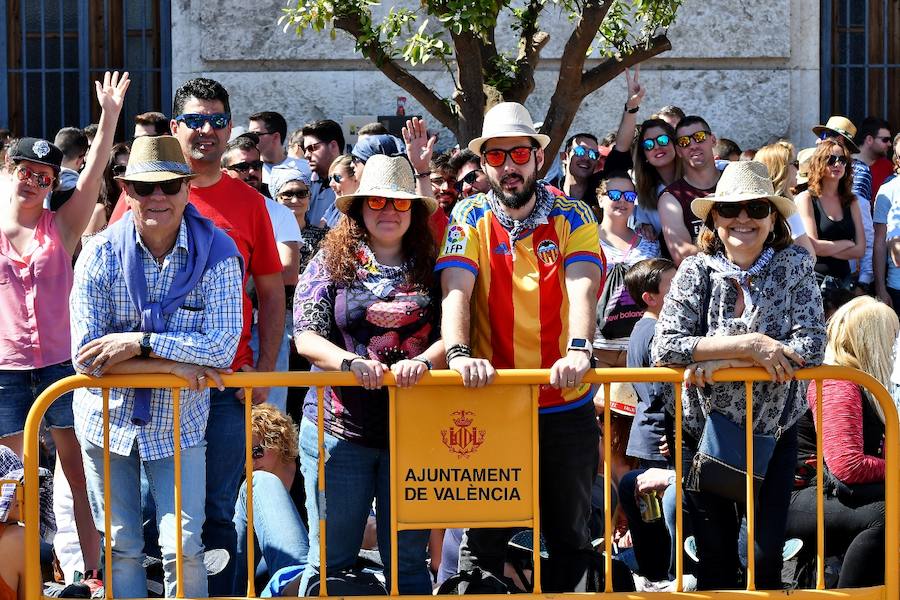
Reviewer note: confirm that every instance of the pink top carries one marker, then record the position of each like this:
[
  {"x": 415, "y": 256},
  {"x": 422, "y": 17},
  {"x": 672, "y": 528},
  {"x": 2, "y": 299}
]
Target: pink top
[{"x": 34, "y": 300}]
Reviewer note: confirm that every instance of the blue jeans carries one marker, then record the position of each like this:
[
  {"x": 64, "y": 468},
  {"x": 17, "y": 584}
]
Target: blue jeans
[
  {"x": 129, "y": 579},
  {"x": 354, "y": 475},
  {"x": 281, "y": 539},
  {"x": 225, "y": 447},
  {"x": 654, "y": 542},
  {"x": 277, "y": 395},
  {"x": 19, "y": 389}
]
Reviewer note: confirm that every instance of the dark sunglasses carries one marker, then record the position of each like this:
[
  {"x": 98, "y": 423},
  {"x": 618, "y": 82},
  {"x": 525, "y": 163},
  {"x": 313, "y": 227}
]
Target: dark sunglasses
[
  {"x": 796, "y": 163},
  {"x": 41, "y": 180},
  {"x": 519, "y": 155},
  {"x": 196, "y": 120},
  {"x": 660, "y": 140},
  {"x": 885, "y": 140},
  {"x": 698, "y": 137},
  {"x": 834, "y": 159},
  {"x": 118, "y": 170},
  {"x": 471, "y": 177},
  {"x": 756, "y": 209},
  {"x": 335, "y": 178},
  {"x": 169, "y": 188},
  {"x": 379, "y": 202},
  {"x": 244, "y": 166},
  {"x": 627, "y": 196},
  {"x": 299, "y": 194},
  {"x": 258, "y": 451},
  {"x": 581, "y": 152}
]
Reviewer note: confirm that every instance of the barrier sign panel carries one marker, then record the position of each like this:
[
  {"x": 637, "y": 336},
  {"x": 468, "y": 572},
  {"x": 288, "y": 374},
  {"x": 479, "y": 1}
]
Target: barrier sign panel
[{"x": 463, "y": 455}]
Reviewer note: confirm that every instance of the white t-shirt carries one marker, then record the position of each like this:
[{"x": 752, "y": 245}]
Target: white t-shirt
[{"x": 284, "y": 225}]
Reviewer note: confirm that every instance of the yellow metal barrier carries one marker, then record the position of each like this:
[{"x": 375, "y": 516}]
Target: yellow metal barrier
[{"x": 506, "y": 380}]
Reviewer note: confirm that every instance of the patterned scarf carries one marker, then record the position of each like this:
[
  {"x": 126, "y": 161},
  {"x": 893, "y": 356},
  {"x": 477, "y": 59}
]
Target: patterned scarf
[
  {"x": 538, "y": 216},
  {"x": 12, "y": 473},
  {"x": 725, "y": 269},
  {"x": 376, "y": 277}
]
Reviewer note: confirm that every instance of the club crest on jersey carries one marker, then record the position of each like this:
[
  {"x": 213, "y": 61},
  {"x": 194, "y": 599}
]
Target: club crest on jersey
[
  {"x": 548, "y": 252},
  {"x": 456, "y": 240}
]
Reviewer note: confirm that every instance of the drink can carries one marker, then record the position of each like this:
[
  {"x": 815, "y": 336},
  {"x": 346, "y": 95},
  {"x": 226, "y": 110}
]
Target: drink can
[{"x": 651, "y": 509}]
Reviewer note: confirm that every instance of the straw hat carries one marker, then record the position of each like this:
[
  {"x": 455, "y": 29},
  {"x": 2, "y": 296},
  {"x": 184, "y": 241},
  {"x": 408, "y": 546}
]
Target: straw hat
[
  {"x": 155, "y": 159},
  {"x": 843, "y": 127},
  {"x": 803, "y": 165},
  {"x": 507, "y": 119},
  {"x": 623, "y": 398},
  {"x": 742, "y": 181},
  {"x": 387, "y": 176}
]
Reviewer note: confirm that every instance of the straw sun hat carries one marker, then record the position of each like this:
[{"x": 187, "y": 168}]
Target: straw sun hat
[
  {"x": 389, "y": 177},
  {"x": 507, "y": 119},
  {"x": 156, "y": 159},
  {"x": 843, "y": 127},
  {"x": 740, "y": 182}
]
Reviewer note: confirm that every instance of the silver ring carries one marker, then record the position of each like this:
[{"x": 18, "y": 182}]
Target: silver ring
[
  {"x": 199, "y": 377},
  {"x": 365, "y": 374},
  {"x": 779, "y": 367}
]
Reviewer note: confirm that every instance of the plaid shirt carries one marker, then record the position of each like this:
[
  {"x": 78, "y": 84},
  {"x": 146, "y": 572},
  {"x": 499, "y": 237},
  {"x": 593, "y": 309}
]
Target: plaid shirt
[{"x": 204, "y": 331}]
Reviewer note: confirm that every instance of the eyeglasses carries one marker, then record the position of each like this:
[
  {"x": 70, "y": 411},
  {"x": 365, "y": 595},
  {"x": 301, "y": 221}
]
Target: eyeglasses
[
  {"x": 118, "y": 170},
  {"x": 660, "y": 140},
  {"x": 257, "y": 451},
  {"x": 581, "y": 152},
  {"x": 244, "y": 166},
  {"x": 313, "y": 147},
  {"x": 379, "y": 202},
  {"x": 834, "y": 159},
  {"x": 145, "y": 188},
  {"x": 299, "y": 194},
  {"x": 519, "y": 155},
  {"x": 698, "y": 137},
  {"x": 41, "y": 180},
  {"x": 197, "y": 120},
  {"x": 627, "y": 196},
  {"x": 756, "y": 209},
  {"x": 262, "y": 133}
]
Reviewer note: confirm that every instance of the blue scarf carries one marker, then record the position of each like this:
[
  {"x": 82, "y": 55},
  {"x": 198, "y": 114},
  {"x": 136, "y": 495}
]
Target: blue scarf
[
  {"x": 726, "y": 269},
  {"x": 207, "y": 246}
]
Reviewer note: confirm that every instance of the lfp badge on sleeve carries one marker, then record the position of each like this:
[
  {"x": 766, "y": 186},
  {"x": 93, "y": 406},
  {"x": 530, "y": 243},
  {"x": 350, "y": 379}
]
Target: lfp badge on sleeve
[{"x": 464, "y": 456}]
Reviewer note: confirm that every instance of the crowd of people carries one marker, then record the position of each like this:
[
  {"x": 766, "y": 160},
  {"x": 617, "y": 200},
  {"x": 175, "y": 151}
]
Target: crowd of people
[{"x": 199, "y": 251}]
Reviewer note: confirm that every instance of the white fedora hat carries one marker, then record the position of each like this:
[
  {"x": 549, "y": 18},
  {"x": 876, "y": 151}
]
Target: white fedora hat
[
  {"x": 389, "y": 177},
  {"x": 507, "y": 119},
  {"x": 742, "y": 181}
]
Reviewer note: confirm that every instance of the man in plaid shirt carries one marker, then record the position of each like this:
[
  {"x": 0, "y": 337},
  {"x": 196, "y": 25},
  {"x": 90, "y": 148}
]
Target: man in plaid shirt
[{"x": 159, "y": 291}]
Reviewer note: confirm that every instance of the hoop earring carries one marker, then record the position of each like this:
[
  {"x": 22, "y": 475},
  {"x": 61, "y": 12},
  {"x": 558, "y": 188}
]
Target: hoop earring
[{"x": 770, "y": 239}]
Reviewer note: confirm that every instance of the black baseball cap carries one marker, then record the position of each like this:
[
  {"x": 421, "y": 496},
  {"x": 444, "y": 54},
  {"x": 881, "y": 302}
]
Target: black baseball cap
[{"x": 38, "y": 151}]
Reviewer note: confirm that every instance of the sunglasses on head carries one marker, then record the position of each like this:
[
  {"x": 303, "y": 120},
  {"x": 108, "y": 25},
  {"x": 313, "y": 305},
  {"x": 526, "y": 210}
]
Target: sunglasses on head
[
  {"x": 756, "y": 209},
  {"x": 257, "y": 451},
  {"x": 379, "y": 202},
  {"x": 520, "y": 155},
  {"x": 581, "y": 152},
  {"x": 660, "y": 140},
  {"x": 145, "y": 188},
  {"x": 196, "y": 120},
  {"x": 41, "y": 180},
  {"x": 698, "y": 137},
  {"x": 834, "y": 159},
  {"x": 244, "y": 166},
  {"x": 299, "y": 194},
  {"x": 627, "y": 196}
]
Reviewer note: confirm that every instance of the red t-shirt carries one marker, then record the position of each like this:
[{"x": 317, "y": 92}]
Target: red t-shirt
[
  {"x": 240, "y": 211},
  {"x": 880, "y": 169}
]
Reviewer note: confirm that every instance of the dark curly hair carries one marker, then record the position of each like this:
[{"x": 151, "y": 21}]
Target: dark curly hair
[
  {"x": 418, "y": 247},
  {"x": 818, "y": 166}
]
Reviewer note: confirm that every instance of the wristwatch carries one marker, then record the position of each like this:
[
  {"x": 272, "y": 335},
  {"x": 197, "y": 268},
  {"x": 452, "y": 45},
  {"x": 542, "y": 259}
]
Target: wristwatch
[
  {"x": 579, "y": 344},
  {"x": 345, "y": 364},
  {"x": 631, "y": 110},
  {"x": 145, "y": 345}
]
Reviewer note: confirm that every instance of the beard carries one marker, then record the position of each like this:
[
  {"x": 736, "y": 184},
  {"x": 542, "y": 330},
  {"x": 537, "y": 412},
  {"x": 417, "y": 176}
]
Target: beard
[{"x": 518, "y": 199}]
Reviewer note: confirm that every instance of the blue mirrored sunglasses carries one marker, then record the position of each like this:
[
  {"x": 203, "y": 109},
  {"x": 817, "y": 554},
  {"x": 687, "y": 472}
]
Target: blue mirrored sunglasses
[
  {"x": 581, "y": 152},
  {"x": 616, "y": 195},
  {"x": 660, "y": 140},
  {"x": 196, "y": 120}
]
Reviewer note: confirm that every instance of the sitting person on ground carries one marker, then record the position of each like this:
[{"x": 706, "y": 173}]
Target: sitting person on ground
[
  {"x": 279, "y": 499},
  {"x": 158, "y": 291},
  {"x": 861, "y": 335}
]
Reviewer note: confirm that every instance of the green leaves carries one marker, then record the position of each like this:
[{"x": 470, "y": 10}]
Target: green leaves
[
  {"x": 423, "y": 46},
  {"x": 630, "y": 24}
]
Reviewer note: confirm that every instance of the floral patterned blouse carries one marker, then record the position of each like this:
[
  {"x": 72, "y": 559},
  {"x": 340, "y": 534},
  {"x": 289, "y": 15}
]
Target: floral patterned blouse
[
  {"x": 379, "y": 316},
  {"x": 786, "y": 306}
]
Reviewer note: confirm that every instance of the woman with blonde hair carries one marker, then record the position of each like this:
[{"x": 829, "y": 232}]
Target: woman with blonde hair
[
  {"x": 861, "y": 335},
  {"x": 781, "y": 162}
]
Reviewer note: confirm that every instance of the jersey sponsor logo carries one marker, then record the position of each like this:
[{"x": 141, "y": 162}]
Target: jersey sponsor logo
[
  {"x": 456, "y": 240},
  {"x": 548, "y": 252}
]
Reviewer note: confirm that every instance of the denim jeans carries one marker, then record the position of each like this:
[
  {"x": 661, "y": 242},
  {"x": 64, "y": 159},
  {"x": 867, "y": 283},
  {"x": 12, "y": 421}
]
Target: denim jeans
[
  {"x": 129, "y": 580},
  {"x": 19, "y": 389},
  {"x": 354, "y": 475},
  {"x": 277, "y": 395},
  {"x": 281, "y": 539},
  {"x": 225, "y": 447}
]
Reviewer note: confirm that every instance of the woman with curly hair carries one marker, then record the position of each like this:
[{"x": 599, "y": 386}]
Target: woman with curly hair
[
  {"x": 655, "y": 167},
  {"x": 367, "y": 303},
  {"x": 834, "y": 222}
]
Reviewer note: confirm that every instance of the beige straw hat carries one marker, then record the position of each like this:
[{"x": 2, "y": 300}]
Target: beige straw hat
[
  {"x": 507, "y": 119},
  {"x": 842, "y": 126},
  {"x": 803, "y": 164},
  {"x": 389, "y": 177},
  {"x": 155, "y": 159},
  {"x": 742, "y": 181}
]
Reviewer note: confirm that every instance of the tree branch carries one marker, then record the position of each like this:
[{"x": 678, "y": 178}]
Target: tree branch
[
  {"x": 595, "y": 78},
  {"x": 575, "y": 51},
  {"x": 375, "y": 51}
]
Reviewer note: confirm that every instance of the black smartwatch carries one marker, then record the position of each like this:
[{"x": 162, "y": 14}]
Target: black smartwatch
[
  {"x": 145, "y": 345},
  {"x": 631, "y": 110},
  {"x": 345, "y": 364}
]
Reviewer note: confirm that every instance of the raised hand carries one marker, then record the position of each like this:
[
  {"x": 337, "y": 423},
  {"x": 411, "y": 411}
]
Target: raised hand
[
  {"x": 635, "y": 90},
  {"x": 419, "y": 146},
  {"x": 111, "y": 93}
]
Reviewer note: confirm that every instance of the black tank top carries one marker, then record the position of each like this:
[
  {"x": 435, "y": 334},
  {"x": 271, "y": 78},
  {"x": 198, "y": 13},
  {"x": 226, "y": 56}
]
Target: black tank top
[{"x": 826, "y": 229}]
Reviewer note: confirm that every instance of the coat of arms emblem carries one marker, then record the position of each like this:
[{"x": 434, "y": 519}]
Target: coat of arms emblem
[{"x": 463, "y": 438}]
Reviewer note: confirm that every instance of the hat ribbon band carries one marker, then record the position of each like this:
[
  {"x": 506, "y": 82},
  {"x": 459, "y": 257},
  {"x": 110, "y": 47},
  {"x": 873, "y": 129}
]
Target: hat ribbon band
[{"x": 155, "y": 166}]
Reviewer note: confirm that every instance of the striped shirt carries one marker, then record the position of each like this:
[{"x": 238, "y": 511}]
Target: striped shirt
[
  {"x": 204, "y": 331},
  {"x": 519, "y": 306}
]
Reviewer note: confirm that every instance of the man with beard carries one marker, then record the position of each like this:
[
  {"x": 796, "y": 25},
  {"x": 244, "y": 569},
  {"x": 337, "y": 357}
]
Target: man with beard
[
  {"x": 520, "y": 270},
  {"x": 694, "y": 143},
  {"x": 443, "y": 182}
]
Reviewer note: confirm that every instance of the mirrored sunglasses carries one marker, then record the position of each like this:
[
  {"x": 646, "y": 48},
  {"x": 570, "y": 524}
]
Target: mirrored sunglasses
[
  {"x": 581, "y": 152},
  {"x": 197, "y": 120},
  {"x": 756, "y": 209},
  {"x": 626, "y": 195},
  {"x": 41, "y": 180},
  {"x": 379, "y": 202},
  {"x": 519, "y": 155},
  {"x": 698, "y": 137},
  {"x": 660, "y": 140}
]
